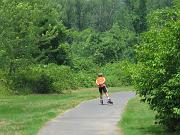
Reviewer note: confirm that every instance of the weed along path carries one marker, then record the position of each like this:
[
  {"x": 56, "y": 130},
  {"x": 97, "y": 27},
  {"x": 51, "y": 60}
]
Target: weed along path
[{"x": 89, "y": 118}]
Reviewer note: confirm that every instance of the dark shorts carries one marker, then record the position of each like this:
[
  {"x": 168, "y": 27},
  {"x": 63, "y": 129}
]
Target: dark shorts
[{"x": 102, "y": 89}]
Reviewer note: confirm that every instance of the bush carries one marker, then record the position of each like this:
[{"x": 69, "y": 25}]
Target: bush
[
  {"x": 156, "y": 75},
  {"x": 4, "y": 90},
  {"x": 83, "y": 64},
  {"x": 32, "y": 79},
  {"x": 63, "y": 77},
  {"x": 84, "y": 72},
  {"x": 41, "y": 83},
  {"x": 85, "y": 80},
  {"x": 44, "y": 79},
  {"x": 118, "y": 74}
]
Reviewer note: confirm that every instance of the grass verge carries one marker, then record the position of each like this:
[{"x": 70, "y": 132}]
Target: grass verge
[
  {"x": 138, "y": 119},
  {"x": 25, "y": 115}
]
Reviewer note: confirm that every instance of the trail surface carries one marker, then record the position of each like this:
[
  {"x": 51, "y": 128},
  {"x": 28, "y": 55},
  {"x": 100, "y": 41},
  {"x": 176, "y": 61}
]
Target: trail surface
[{"x": 90, "y": 118}]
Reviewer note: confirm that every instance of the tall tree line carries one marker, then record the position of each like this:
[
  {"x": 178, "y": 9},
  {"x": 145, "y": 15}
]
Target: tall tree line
[
  {"x": 41, "y": 31},
  {"x": 102, "y": 14},
  {"x": 65, "y": 31}
]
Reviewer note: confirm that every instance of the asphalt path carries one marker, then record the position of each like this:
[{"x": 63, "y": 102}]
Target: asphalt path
[{"x": 90, "y": 118}]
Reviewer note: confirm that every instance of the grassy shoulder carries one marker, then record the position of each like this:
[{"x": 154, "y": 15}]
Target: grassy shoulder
[
  {"x": 138, "y": 119},
  {"x": 25, "y": 115}
]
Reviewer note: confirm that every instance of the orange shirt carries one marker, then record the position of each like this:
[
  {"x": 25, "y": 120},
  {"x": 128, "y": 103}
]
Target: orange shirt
[{"x": 100, "y": 80}]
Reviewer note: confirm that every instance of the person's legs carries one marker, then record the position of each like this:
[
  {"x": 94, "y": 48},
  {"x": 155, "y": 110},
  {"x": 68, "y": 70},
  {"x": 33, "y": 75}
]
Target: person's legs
[
  {"x": 101, "y": 95},
  {"x": 107, "y": 95},
  {"x": 106, "y": 92}
]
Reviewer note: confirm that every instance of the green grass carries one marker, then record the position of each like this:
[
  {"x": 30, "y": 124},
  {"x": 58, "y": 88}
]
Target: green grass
[
  {"x": 25, "y": 115},
  {"x": 138, "y": 119}
]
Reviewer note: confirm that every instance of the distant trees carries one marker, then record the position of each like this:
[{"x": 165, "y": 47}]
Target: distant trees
[
  {"x": 97, "y": 14},
  {"x": 102, "y": 14},
  {"x": 110, "y": 46},
  {"x": 51, "y": 46},
  {"x": 158, "y": 4},
  {"x": 80, "y": 34},
  {"x": 138, "y": 10}
]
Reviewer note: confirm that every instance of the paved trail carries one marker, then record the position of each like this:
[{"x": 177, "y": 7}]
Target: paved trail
[{"x": 90, "y": 118}]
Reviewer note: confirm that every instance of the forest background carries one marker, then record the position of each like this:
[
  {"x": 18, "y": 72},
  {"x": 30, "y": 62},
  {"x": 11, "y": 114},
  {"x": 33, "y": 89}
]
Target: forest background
[{"x": 59, "y": 45}]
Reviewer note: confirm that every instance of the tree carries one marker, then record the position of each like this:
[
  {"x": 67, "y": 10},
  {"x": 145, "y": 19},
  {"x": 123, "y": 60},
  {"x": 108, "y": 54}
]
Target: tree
[
  {"x": 157, "y": 76},
  {"x": 109, "y": 46},
  {"x": 31, "y": 30},
  {"x": 158, "y": 4},
  {"x": 68, "y": 13}
]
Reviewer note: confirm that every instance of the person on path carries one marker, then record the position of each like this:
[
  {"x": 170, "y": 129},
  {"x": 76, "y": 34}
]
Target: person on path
[{"x": 100, "y": 82}]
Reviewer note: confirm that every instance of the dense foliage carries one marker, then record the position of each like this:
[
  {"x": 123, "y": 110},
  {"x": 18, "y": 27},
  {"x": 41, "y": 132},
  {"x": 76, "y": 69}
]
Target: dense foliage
[
  {"x": 42, "y": 32},
  {"x": 110, "y": 46},
  {"x": 52, "y": 46},
  {"x": 157, "y": 75}
]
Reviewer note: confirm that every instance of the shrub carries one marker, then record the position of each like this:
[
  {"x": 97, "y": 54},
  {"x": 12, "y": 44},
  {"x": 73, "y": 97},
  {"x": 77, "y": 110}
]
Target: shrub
[
  {"x": 63, "y": 77},
  {"x": 84, "y": 72},
  {"x": 41, "y": 83},
  {"x": 85, "y": 80},
  {"x": 44, "y": 79},
  {"x": 83, "y": 64},
  {"x": 157, "y": 76},
  {"x": 4, "y": 90},
  {"x": 32, "y": 79},
  {"x": 118, "y": 74}
]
